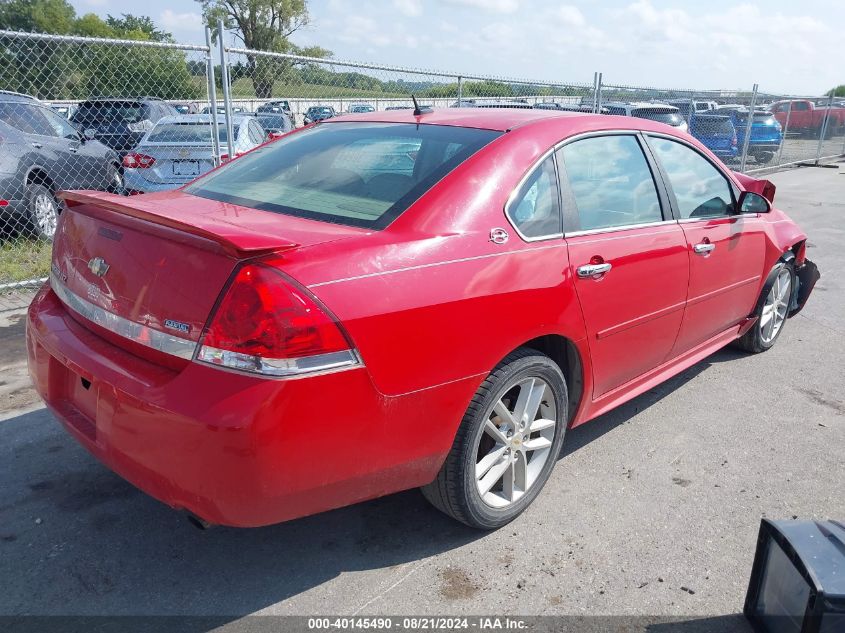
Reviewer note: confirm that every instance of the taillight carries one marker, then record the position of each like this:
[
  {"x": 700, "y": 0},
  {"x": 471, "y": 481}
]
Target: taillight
[
  {"x": 267, "y": 325},
  {"x": 138, "y": 161}
]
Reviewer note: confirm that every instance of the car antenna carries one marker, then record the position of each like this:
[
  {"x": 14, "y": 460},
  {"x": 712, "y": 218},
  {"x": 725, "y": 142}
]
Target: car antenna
[{"x": 419, "y": 110}]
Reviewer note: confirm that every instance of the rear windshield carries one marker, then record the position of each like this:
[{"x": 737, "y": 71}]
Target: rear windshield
[
  {"x": 187, "y": 133},
  {"x": 361, "y": 174},
  {"x": 712, "y": 125},
  {"x": 661, "y": 116},
  {"x": 128, "y": 111}
]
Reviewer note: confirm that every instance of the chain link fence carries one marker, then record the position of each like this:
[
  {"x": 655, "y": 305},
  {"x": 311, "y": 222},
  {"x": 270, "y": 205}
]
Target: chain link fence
[{"x": 131, "y": 117}]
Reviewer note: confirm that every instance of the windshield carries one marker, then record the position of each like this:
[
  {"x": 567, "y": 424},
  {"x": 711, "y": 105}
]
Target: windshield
[
  {"x": 273, "y": 122},
  {"x": 189, "y": 133},
  {"x": 348, "y": 173},
  {"x": 128, "y": 111},
  {"x": 661, "y": 116}
]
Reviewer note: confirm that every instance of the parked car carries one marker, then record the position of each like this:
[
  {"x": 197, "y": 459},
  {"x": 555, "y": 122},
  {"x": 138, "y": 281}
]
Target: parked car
[
  {"x": 120, "y": 123},
  {"x": 766, "y": 132},
  {"x": 274, "y": 123},
  {"x": 186, "y": 108},
  {"x": 690, "y": 107},
  {"x": 442, "y": 329},
  {"x": 361, "y": 108},
  {"x": 717, "y": 133},
  {"x": 806, "y": 117},
  {"x": 222, "y": 110},
  {"x": 662, "y": 113},
  {"x": 399, "y": 107},
  {"x": 520, "y": 104},
  {"x": 275, "y": 106},
  {"x": 180, "y": 148},
  {"x": 41, "y": 152},
  {"x": 318, "y": 113},
  {"x": 567, "y": 107}
]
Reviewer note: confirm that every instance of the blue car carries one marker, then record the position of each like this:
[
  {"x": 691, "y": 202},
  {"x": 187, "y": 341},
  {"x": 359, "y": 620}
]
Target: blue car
[
  {"x": 717, "y": 133},
  {"x": 766, "y": 132}
]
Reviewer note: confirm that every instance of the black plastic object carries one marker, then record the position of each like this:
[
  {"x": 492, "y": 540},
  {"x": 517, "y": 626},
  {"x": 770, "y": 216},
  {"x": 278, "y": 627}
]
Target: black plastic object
[{"x": 798, "y": 580}]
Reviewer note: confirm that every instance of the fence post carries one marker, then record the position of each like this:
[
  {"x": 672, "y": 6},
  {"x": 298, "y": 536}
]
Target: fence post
[
  {"x": 748, "y": 123},
  {"x": 598, "y": 95},
  {"x": 212, "y": 99},
  {"x": 823, "y": 129},
  {"x": 460, "y": 89},
  {"x": 785, "y": 130},
  {"x": 595, "y": 90},
  {"x": 227, "y": 99}
]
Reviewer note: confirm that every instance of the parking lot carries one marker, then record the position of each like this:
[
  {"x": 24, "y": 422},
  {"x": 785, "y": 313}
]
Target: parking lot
[{"x": 653, "y": 509}]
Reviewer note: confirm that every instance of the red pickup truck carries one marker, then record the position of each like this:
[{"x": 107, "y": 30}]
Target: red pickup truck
[{"x": 808, "y": 118}]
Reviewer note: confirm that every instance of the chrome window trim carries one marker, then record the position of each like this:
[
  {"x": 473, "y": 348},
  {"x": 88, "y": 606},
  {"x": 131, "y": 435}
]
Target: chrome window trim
[
  {"x": 621, "y": 227},
  {"x": 530, "y": 172},
  {"x": 136, "y": 332}
]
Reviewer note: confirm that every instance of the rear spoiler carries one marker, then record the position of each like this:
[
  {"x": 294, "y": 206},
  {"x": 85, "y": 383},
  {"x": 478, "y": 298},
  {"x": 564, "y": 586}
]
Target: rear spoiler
[
  {"x": 765, "y": 188},
  {"x": 231, "y": 237}
]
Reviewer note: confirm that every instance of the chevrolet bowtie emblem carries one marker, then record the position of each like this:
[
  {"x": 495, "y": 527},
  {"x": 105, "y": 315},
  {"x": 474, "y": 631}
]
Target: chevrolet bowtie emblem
[{"x": 98, "y": 266}]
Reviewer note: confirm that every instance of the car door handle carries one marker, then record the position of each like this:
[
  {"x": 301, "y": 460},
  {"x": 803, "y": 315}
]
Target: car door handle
[
  {"x": 703, "y": 248},
  {"x": 591, "y": 270},
  {"x": 37, "y": 145}
]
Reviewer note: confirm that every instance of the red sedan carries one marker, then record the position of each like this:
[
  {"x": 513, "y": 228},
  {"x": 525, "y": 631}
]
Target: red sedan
[{"x": 392, "y": 300}]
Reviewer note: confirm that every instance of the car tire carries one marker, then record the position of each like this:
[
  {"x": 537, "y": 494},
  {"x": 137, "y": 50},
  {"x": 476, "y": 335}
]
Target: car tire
[
  {"x": 530, "y": 451},
  {"x": 43, "y": 210},
  {"x": 771, "y": 311},
  {"x": 116, "y": 183},
  {"x": 764, "y": 157}
]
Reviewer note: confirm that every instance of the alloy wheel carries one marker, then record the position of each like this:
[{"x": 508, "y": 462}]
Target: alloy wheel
[
  {"x": 776, "y": 306},
  {"x": 516, "y": 442},
  {"x": 46, "y": 213}
]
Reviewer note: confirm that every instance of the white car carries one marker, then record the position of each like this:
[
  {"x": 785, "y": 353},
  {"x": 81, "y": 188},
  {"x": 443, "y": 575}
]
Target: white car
[{"x": 661, "y": 112}]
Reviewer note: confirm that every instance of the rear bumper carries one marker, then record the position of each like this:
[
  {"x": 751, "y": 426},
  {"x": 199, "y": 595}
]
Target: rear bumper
[
  {"x": 231, "y": 448},
  {"x": 763, "y": 146},
  {"x": 134, "y": 181}
]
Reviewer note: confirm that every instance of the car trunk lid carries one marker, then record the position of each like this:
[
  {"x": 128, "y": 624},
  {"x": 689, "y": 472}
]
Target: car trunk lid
[
  {"x": 176, "y": 164},
  {"x": 149, "y": 269}
]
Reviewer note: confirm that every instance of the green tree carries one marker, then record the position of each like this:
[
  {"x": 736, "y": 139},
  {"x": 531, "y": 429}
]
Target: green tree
[
  {"x": 839, "y": 91},
  {"x": 53, "y": 70},
  {"x": 264, "y": 25}
]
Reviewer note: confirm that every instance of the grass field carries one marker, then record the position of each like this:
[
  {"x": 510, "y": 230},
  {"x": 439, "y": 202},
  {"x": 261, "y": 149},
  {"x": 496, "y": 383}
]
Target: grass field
[{"x": 23, "y": 259}]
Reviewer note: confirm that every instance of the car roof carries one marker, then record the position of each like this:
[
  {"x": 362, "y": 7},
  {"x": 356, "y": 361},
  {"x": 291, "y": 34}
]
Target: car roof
[
  {"x": 500, "y": 119},
  {"x": 18, "y": 97}
]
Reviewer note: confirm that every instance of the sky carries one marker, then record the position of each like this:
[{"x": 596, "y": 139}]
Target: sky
[{"x": 786, "y": 46}]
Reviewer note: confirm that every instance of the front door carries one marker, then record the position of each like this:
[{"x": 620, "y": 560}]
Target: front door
[
  {"x": 726, "y": 251},
  {"x": 629, "y": 262}
]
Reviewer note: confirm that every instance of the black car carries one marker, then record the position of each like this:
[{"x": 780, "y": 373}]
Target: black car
[
  {"x": 120, "y": 123},
  {"x": 318, "y": 113},
  {"x": 42, "y": 152}
]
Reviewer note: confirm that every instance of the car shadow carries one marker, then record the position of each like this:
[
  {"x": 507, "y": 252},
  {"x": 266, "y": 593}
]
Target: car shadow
[
  {"x": 76, "y": 539},
  {"x": 582, "y": 435}
]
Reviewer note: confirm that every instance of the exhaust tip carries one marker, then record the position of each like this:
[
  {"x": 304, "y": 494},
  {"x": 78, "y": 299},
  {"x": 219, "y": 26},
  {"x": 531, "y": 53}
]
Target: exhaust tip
[{"x": 199, "y": 523}]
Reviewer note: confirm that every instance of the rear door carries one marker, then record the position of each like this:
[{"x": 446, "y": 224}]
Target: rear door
[
  {"x": 628, "y": 256},
  {"x": 726, "y": 250}
]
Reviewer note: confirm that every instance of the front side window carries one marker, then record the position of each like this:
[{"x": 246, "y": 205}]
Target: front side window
[
  {"x": 535, "y": 209},
  {"x": 361, "y": 174},
  {"x": 611, "y": 182},
  {"x": 60, "y": 126},
  {"x": 700, "y": 189}
]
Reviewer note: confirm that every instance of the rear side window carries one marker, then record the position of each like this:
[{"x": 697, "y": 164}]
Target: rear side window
[
  {"x": 535, "y": 209},
  {"x": 700, "y": 189},
  {"x": 127, "y": 111},
  {"x": 26, "y": 118},
  {"x": 611, "y": 182},
  {"x": 361, "y": 174}
]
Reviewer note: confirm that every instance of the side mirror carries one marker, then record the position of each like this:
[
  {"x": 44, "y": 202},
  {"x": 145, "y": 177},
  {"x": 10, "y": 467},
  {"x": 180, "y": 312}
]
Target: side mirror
[
  {"x": 89, "y": 134},
  {"x": 750, "y": 202}
]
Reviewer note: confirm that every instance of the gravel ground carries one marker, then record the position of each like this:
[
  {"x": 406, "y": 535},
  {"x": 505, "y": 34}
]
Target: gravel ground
[{"x": 653, "y": 508}]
